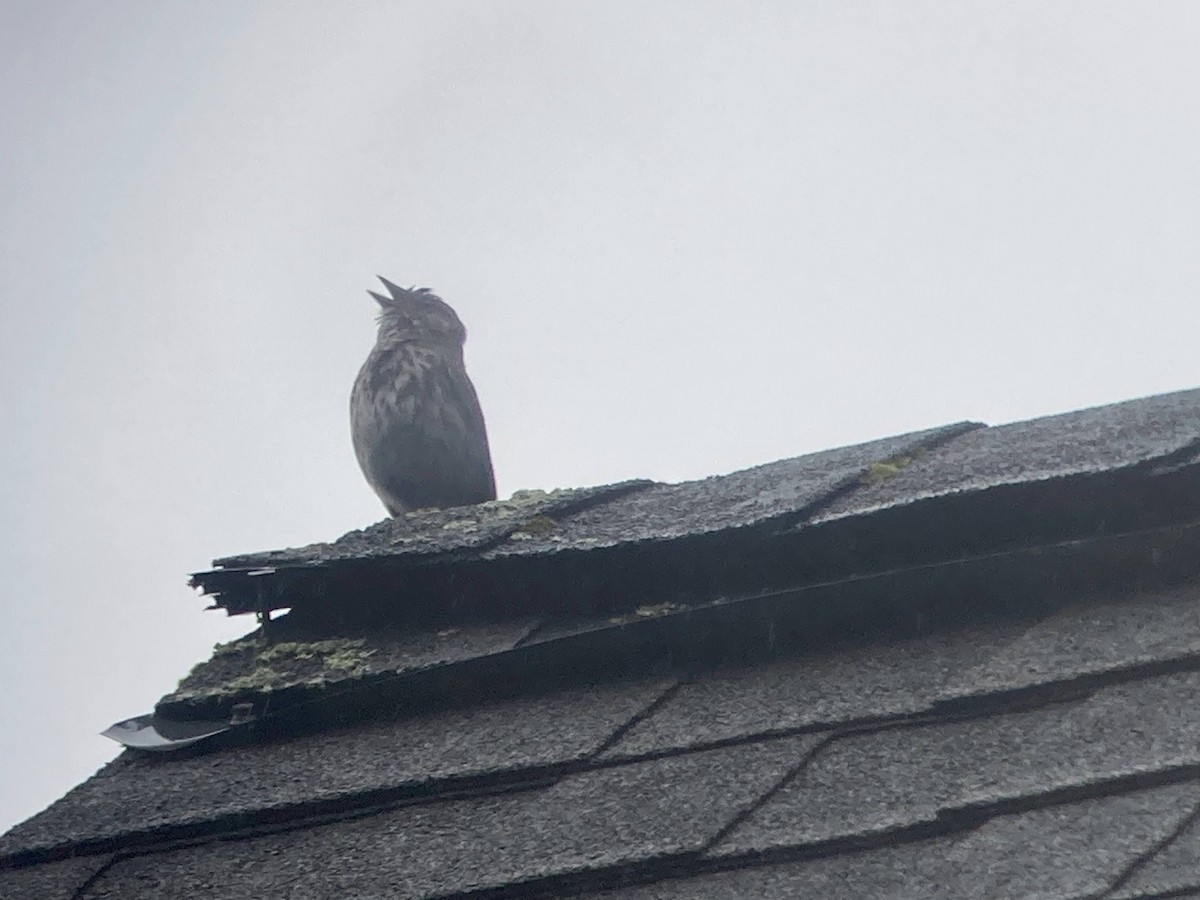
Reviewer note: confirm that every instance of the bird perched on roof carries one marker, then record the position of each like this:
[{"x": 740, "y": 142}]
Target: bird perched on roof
[{"x": 415, "y": 420}]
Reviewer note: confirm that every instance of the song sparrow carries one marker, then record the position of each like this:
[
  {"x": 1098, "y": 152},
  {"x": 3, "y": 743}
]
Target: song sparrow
[{"x": 415, "y": 420}]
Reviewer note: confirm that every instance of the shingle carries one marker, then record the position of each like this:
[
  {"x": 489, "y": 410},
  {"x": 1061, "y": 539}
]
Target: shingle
[
  {"x": 826, "y": 689},
  {"x": 1090, "y": 638},
  {"x": 1057, "y": 853},
  {"x": 247, "y": 666},
  {"x": 50, "y": 881},
  {"x": 139, "y": 792},
  {"x": 1175, "y": 867},
  {"x": 894, "y": 873},
  {"x": 1087, "y": 441},
  {"x": 902, "y": 776},
  {"x": 594, "y": 819},
  {"x": 775, "y": 491},
  {"x": 908, "y": 677},
  {"x": 1067, "y": 851},
  {"x": 438, "y": 531}
]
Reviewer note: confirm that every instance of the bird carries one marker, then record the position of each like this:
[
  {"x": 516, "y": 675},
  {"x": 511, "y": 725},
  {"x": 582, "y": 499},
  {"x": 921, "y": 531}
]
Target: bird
[{"x": 415, "y": 420}]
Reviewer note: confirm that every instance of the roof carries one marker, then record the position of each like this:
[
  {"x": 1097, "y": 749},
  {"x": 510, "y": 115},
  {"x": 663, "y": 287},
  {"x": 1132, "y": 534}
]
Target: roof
[{"x": 962, "y": 659}]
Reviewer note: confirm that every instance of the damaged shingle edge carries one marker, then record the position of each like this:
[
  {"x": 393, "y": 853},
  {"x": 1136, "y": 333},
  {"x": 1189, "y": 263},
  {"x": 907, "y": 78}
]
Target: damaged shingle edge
[
  {"x": 265, "y": 575},
  {"x": 790, "y": 549},
  {"x": 474, "y": 529},
  {"x": 260, "y": 583},
  {"x": 701, "y": 636}
]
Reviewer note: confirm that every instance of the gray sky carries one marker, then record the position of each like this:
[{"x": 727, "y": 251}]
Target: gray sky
[{"x": 685, "y": 237}]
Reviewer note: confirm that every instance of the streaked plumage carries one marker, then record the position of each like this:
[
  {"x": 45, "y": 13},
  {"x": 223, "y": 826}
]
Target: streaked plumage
[{"x": 417, "y": 427}]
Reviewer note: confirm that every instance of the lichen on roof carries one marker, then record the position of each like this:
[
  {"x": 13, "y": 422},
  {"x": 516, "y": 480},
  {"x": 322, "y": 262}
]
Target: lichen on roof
[
  {"x": 881, "y": 471},
  {"x": 429, "y": 532},
  {"x": 249, "y": 666},
  {"x": 538, "y": 526}
]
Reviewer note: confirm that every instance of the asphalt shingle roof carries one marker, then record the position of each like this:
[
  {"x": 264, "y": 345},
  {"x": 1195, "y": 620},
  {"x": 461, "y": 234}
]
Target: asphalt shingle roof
[{"x": 961, "y": 661}]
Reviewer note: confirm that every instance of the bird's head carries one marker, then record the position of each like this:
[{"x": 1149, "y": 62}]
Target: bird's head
[{"x": 417, "y": 314}]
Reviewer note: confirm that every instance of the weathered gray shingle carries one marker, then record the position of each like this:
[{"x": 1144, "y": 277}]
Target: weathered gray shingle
[
  {"x": 774, "y": 493},
  {"x": 49, "y": 881},
  {"x": 824, "y": 690},
  {"x": 865, "y": 783},
  {"x": 250, "y": 666},
  {"x": 595, "y": 819},
  {"x": 431, "y": 532},
  {"x": 1102, "y": 635},
  {"x": 1174, "y": 868},
  {"x": 1065, "y": 852},
  {"x": 849, "y": 684},
  {"x": 1102, "y": 439}
]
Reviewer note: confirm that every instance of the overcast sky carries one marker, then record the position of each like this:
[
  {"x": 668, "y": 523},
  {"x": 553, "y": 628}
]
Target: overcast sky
[{"x": 685, "y": 237}]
